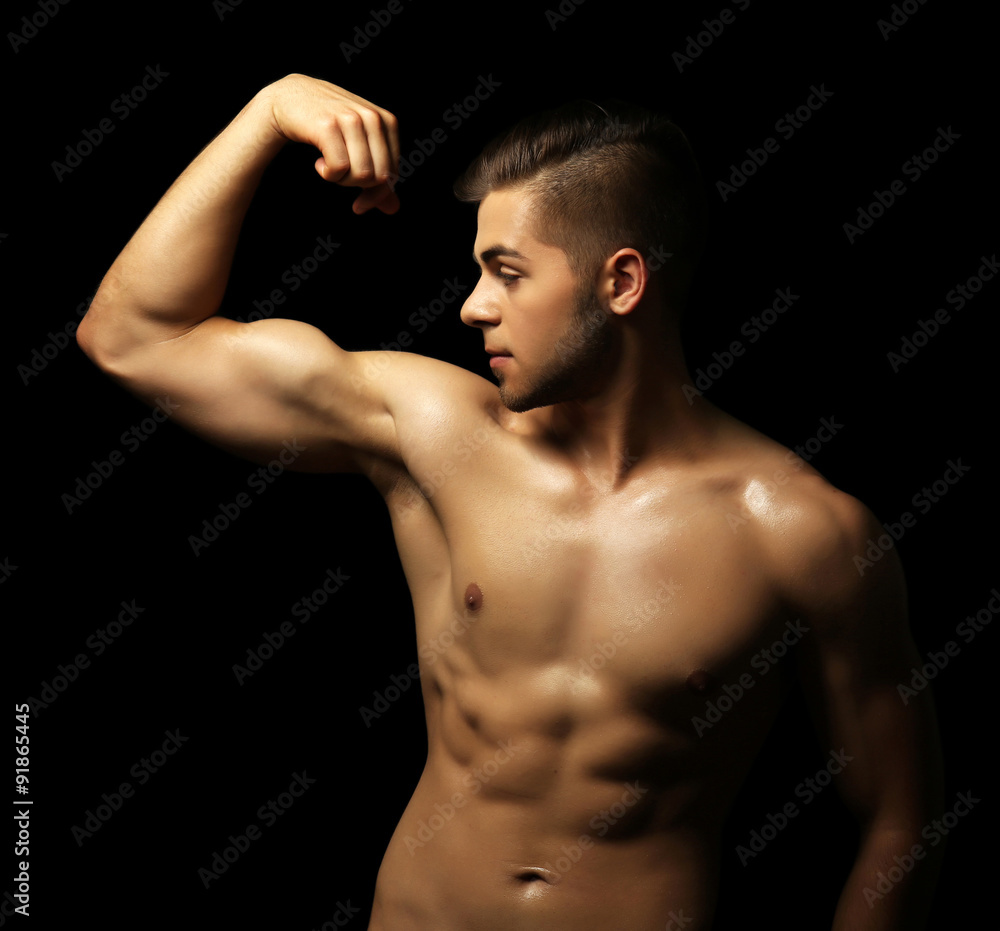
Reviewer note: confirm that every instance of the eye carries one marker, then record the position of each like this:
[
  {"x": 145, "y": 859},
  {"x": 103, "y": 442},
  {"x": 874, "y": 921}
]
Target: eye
[{"x": 508, "y": 280}]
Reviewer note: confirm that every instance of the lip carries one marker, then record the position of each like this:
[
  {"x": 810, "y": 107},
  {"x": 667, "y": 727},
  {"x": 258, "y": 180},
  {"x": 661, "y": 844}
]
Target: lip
[{"x": 498, "y": 358}]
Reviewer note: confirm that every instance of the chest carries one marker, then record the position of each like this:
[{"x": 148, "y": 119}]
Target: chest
[{"x": 574, "y": 586}]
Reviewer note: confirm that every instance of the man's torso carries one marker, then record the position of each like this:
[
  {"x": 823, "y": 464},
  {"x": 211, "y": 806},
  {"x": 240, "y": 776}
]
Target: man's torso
[{"x": 592, "y": 670}]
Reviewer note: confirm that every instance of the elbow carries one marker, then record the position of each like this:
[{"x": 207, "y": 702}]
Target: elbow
[
  {"x": 94, "y": 343},
  {"x": 85, "y": 336},
  {"x": 102, "y": 341}
]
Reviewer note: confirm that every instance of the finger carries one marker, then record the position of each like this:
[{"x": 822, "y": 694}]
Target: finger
[
  {"x": 335, "y": 162},
  {"x": 324, "y": 170},
  {"x": 378, "y": 145},
  {"x": 390, "y": 129},
  {"x": 390, "y": 203},
  {"x": 355, "y": 135},
  {"x": 383, "y": 197}
]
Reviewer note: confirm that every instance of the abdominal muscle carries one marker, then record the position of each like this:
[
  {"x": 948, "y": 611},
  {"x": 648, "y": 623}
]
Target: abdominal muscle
[{"x": 607, "y": 823}]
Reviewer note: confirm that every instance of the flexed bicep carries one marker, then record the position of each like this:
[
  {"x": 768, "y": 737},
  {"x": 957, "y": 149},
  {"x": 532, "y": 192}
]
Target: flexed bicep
[{"x": 250, "y": 388}]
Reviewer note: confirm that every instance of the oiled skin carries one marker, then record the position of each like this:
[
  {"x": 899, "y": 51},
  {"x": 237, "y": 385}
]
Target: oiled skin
[
  {"x": 570, "y": 682},
  {"x": 632, "y": 523}
]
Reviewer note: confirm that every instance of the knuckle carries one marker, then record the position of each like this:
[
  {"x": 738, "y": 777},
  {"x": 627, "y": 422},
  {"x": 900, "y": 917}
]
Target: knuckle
[{"x": 350, "y": 118}]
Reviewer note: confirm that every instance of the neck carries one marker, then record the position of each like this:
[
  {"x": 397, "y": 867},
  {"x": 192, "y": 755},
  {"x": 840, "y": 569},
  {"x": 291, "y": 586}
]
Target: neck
[{"x": 640, "y": 410}]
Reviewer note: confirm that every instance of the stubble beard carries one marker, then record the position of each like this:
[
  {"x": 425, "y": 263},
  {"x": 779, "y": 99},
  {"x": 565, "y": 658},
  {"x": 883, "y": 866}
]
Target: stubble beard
[{"x": 576, "y": 366}]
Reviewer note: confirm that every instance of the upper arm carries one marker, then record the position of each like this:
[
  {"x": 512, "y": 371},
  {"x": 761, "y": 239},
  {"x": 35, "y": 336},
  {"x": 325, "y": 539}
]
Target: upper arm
[
  {"x": 252, "y": 387},
  {"x": 852, "y": 663}
]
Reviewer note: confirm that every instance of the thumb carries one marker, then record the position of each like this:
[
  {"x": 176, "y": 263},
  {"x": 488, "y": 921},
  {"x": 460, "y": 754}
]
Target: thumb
[{"x": 327, "y": 173}]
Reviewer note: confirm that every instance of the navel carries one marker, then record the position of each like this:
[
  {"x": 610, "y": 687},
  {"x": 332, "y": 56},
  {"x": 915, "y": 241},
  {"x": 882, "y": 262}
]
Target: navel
[
  {"x": 473, "y": 597},
  {"x": 538, "y": 874},
  {"x": 701, "y": 680}
]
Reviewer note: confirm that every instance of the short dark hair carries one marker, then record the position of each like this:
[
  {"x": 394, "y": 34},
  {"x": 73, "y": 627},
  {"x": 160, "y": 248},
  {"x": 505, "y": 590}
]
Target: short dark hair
[{"x": 604, "y": 176}]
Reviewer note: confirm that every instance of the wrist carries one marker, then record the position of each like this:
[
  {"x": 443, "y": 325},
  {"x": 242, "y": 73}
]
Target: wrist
[
  {"x": 260, "y": 109},
  {"x": 257, "y": 123}
]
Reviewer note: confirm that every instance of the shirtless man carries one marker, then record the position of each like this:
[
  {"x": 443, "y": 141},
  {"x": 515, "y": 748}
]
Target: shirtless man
[{"x": 594, "y": 555}]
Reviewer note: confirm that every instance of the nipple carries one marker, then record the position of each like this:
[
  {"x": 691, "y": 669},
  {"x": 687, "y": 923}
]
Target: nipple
[
  {"x": 701, "y": 680},
  {"x": 473, "y": 597}
]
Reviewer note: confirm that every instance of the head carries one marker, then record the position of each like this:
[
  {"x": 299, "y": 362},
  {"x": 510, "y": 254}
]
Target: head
[{"x": 591, "y": 218}]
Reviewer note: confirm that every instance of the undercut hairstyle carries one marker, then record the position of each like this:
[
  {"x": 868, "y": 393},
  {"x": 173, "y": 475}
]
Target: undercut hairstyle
[{"x": 603, "y": 177}]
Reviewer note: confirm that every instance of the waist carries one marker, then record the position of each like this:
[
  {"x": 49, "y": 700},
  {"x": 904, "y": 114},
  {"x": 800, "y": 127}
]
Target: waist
[{"x": 468, "y": 858}]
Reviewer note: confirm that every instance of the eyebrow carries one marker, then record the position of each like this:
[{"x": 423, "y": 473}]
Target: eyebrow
[{"x": 487, "y": 255}]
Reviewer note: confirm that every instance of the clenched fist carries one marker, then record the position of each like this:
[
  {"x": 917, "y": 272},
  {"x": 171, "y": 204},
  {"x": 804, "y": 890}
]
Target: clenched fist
[{"x": 359, "y": 141}]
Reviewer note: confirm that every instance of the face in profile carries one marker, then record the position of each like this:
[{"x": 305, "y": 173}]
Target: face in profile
[{"x": 549, "y": 337}]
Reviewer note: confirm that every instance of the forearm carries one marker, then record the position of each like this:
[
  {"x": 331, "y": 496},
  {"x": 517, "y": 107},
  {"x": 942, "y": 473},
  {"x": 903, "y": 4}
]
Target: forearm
[
  {"x": 891, "y": 885},
  {"x": 174, "y": 270}
]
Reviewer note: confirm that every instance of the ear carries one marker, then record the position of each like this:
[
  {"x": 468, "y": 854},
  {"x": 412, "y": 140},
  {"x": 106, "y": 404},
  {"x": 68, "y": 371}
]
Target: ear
[{"x": 623, "y": 281}]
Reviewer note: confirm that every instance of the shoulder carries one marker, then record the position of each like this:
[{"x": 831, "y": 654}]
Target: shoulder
[
  {"x": 431, "y": 394},
  {"x": 823, "y": 549},
  {"x": 432, "y": 404}
]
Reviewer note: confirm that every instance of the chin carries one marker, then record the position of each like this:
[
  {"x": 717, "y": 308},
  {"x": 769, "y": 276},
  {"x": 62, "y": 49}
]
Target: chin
[
  {"x": 556, "y": 390},
  {"x": 517, "y": 404}
]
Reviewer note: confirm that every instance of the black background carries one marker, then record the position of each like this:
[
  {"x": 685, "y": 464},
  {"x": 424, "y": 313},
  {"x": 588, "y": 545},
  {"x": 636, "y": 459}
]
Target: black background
[{"x": 826, "y": 357}]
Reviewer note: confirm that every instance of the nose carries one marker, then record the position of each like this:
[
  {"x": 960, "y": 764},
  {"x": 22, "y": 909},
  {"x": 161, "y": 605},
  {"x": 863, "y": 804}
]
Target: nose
[{"x": 478, "y": 310}]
